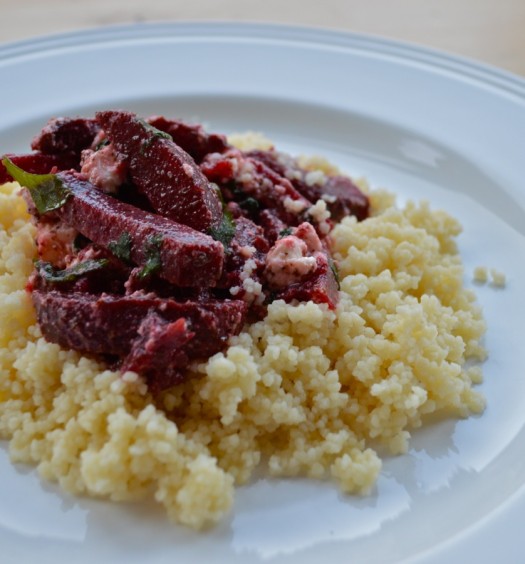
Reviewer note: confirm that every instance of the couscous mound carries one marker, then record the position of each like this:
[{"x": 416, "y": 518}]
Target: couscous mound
[{"x": 307, "y": 389}]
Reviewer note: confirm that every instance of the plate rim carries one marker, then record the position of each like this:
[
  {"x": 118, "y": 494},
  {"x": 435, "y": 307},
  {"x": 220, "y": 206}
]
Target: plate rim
[{"x": 462, "y": 67}]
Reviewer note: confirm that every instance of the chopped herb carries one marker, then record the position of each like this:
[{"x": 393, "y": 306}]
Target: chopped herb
[
  {"x": 251, "y": 205},
  {"x": 102, "y": 144},
  {"x": 153, "y": 258},
  {"x": 225, "y": 231},
  {"x": 335, "y": 271},
  {"x": 285, "y": 232},
  {"x": 50, "y": 274},
  {"x": 156, "y": 134},
  {"x": 47, "y": 190},
  {"x": 121, "y": 248},
  {"x": 218, "y": 191}
]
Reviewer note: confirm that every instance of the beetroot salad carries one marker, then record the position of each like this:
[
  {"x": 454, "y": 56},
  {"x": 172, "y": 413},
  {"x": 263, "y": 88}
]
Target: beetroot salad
[{"x": 158, "y": 241}]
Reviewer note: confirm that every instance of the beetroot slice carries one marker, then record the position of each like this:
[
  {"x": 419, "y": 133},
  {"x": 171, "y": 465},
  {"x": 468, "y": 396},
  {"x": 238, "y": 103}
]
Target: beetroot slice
[
  {"x": 163, "y": 172},
  {"x": 66, "y": 135},
  {"x": 109, "y": 324},
  {"x": 342, "y": 196},
  {"x": 38, "y": 163},
  {"x": 190, "y": 137},
  {"x": 158, "y": 352},
  {"x": 321, "y": 287},
  {"x": 187, "y": 257}
]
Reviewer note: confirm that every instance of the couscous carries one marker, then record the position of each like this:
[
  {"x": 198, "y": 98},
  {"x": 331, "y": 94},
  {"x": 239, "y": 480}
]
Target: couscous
[{"x": 310, "y": 389}]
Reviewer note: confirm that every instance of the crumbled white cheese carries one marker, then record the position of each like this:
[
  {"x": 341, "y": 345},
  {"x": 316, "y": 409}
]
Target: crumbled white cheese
[
  {"x": 287, "y": 261},
  {"x": 294, "y": 206},
  {"x": 245, "y": 171},
  {"x": 315, "y": 177},
  {"x": 103, "y": 169},
  {"x": 247, "y": 251},
  {"x": 320, "y": 214},
  {"x": 307, "y": 233}
]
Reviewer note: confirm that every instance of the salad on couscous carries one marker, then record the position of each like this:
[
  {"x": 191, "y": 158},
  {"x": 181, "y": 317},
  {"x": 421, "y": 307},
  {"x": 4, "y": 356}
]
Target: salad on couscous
[{"x": 179, "y": 307}]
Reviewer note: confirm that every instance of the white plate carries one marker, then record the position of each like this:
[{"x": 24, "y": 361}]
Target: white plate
[{"x": 424, "y": 124}]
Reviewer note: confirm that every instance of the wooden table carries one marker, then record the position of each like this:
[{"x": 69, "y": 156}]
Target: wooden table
[{"x": 491, "y": 31}]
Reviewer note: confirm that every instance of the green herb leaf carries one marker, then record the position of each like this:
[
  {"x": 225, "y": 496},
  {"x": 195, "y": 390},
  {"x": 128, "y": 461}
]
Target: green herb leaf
[
  {"x": 251, "y": 205},
  {"x": 156, "y": 134},
  {"x": 121, "y": 248},
  {"x": 102, "y": 144},
  {"x": 225, "y": 231},
  {"x": 152, "y": 249},
  {"x": 335, "y": 271},
  {"x": 50, "y": 274},
  {"x": 285, "y": 232},
  {"x": 47, "y": 190}
]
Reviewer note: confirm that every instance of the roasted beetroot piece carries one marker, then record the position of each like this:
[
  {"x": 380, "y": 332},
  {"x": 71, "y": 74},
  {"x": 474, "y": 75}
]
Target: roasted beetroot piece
[
  {"x": 163, "y": 172},
  {"x": 298, "y": 267},
  {"x": 109, "y": 325},
  {"x": 66, "y": 135},
  {"x": 38, "y": 163},
  {"x": 342, "y": 196},
  {"x": 190, "y": 137},
  {"x": 175, "y": 252},
  {"x": 250, "y": 181},
  {"x": 273, "y": 227},
  {"x": 321, "y": 286},
  {"x": 244, "y": 262},
  {"x": 158, "y": 352}
]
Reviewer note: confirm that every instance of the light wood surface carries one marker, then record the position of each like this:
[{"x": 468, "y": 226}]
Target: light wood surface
[{"x": 491, "y": 31}]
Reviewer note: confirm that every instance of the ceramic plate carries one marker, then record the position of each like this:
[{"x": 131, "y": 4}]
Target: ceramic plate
[{"x": 424, "y": 124}]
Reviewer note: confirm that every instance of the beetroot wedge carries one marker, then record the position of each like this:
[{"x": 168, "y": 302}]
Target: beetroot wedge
[
  {"x": 158, "y": 351},
  {"x": 108, "y": 324},
  {"x": 342, "y": 196},
  {"x": 163, "y": 172},
  {"x": 321, "y": 287},
  {"x": 175, "y": 252},
  {"x": 191, "y": 137},
  {"x": 66, "y": 135}
]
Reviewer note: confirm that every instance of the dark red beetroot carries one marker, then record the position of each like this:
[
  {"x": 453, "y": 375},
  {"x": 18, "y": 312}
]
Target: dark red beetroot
[
  {"x": 163, "y": 172},
  {"x": 248, "y": 243},
  {"x": 191, "y": 137},
  {"x": 38, "y": 163},
  {"x": 109, "y": 324},
  {"x": 321, "y": 287},
  {"x": 342, "y": 196},
  {"x": 273, "y": 227},
  {"x": 187, "y": 257},
  {"x": 66, "y": 135},
  {"x": 158, "y": 351},
  {"x": 252, "y": 178}
]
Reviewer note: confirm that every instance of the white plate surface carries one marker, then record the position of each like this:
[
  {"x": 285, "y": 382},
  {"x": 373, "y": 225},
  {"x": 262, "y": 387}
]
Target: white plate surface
[{"x": 425, "y": 125}]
